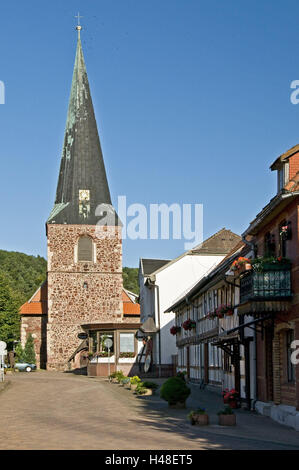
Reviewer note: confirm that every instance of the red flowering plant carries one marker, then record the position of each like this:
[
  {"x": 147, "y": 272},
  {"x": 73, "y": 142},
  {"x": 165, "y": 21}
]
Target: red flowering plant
[
  {"x": 175, "y": 329},
  {"x": 240, "y": 263},
  {"x": 224, "y": 310},
  {"x": 189, "y": 324},
  {"x": 231, "y": 397},
  {"x": 212, "y": 314}
]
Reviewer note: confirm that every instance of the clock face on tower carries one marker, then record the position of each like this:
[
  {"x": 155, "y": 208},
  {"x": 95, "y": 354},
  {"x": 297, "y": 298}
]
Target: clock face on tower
[{"x": 84, "y": 203}]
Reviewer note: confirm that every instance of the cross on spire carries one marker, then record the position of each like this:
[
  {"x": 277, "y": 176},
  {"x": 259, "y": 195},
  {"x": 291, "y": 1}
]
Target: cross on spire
[
  {"x": 78, "y": 27},
  {"x": 78, "y": 17}
]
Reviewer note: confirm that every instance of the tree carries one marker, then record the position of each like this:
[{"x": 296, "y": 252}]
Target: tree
[
  {"x": 130, "y": 279},
  {"x": 20, "y": 355},
  {"x": 9, "y": 316},
  {"x": 29, "y": 351}
]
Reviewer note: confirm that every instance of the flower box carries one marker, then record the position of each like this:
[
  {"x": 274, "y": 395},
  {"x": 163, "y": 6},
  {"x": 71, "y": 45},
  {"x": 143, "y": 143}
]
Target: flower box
[
  {"x": 227, "y": 420},
  {"x": 202, "y": 419},
  {"x": 189, "y": 324}
]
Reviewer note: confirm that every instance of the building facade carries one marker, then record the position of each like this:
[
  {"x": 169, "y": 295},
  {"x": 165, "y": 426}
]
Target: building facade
[
  {"x": 270, "y": 293},
  {"x": 162, "y": 282}
]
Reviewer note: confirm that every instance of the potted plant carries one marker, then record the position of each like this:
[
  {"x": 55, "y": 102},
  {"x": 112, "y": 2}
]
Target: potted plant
[
  {"x": 174, "y": 330},
  {"x": 134, "y": 381},
  {"x": 125, "y": 381},
  {"x": 227, "y": 417},
  {"x": 113, "y": 377},
  {"x": 119, "y": 376},
  {"x": 175, "y": 391},
  {"x": 241, "y": 264},
  {"x": 231, "y": 397},
  {"x": 146, "y": 388},
  {"x": 199, "y": 417}
]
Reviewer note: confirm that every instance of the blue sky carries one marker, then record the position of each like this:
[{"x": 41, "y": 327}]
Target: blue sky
[{"x": 192, "y": 100}]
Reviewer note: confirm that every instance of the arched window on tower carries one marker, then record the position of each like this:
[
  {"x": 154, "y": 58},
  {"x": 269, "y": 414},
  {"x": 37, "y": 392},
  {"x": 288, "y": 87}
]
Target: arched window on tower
[{"x": 85, "y": 249}]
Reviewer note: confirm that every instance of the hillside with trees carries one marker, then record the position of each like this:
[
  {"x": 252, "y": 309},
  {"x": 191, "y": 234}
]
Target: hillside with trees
[{"x": 20, "y": 277}]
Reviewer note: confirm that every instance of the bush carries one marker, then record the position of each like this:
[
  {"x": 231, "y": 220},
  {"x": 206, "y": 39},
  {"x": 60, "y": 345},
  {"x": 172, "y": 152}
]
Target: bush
[
  {"x": 151, "y": 385},
  {"x": 174, "y": 390}
]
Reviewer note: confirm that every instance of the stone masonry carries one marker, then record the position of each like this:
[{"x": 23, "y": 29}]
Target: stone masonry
[{"x": 80, "y": 292}]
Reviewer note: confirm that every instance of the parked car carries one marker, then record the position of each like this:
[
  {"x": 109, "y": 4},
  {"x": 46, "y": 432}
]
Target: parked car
[{"x": 25, "y": 366}]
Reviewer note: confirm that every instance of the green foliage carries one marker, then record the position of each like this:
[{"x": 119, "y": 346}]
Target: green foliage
[
  {"x": 29, "y": 352},
  {"x": 9, "y": 316},
  {"x": 119, "y": 376},
  {"x": 148, "y": 384},
  {"x": 175, "y": 390},
  {"x": 20, "y": 276},
  {"x": 130, "y": 279},
  {"x": 226, "y": 411},
  {"x": 20, "y": 354},
  {"x": 199, "y": 411},
  {"x": 135, "y": 380},
  {"x": 24, "y": 273}
]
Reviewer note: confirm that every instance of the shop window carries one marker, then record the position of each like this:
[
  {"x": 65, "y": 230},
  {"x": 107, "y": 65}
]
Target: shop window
[
  {"x": 126, "y": 343},
  {"x": 289, "y": 350},
  {"x": 97, "y": 339}
]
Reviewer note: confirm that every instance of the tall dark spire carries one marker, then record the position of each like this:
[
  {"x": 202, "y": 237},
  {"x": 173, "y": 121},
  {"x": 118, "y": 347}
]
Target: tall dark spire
[{"x": 82, "y": 184}]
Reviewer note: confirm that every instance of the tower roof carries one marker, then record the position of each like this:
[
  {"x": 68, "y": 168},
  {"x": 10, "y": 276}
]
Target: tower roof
[{"x": 82, "y": 184}]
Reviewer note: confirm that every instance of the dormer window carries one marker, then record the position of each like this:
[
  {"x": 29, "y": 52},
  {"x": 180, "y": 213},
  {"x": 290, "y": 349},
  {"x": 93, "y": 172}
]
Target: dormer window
[{"x": 282, "y": 176}]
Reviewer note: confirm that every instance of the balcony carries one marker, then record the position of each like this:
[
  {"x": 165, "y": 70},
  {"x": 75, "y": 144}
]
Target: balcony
[{"x": 267, "y": 285}]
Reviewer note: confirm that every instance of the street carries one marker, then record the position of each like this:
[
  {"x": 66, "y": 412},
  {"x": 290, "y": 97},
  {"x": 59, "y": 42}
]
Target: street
[{"x": 54, "y": 410}]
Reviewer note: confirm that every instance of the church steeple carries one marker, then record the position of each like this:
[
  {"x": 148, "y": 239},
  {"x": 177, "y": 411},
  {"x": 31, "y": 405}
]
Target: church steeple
[{"x": 82, "y": 184}]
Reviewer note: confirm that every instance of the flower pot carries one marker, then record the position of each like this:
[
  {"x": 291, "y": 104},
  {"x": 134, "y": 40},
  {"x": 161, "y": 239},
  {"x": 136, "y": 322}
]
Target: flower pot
[
  {"x": 133, "y": 387},
  {"x": 179, "y": 405},
  {"x": 201, "y": 419},
  {"x": 230, "y": 313},
  {"x": 227, "y": 420}
]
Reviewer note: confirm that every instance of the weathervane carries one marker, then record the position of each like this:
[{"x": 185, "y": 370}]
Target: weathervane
[{"x": 78, "y": 27}]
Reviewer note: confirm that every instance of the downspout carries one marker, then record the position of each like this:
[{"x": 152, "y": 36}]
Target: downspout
[{"x": 152, "y": 284}]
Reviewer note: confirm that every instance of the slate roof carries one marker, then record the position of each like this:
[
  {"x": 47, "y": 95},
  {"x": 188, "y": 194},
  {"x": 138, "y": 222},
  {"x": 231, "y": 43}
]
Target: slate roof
[
  {"x": 220, "y": 243},
  {"x": 82, "y": 165},
  {"x": 151, "y": 265}
]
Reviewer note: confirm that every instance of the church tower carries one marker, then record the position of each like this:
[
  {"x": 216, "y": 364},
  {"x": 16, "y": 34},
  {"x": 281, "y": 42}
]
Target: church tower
[{"x": 83, "y": 232}]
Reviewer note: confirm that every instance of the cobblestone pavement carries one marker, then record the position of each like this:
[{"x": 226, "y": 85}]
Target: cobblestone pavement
[{"x": 52, "y": 410}]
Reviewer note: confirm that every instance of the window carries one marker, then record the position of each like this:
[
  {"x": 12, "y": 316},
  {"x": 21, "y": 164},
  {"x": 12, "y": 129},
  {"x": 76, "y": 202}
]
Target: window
[
  {"x": 85, "y": 249},
  {"x": 126, "y": 342},
  {"x": 290, "y": 366},
  {"x": 97, "y": 339},
  {"x": 270, "y": 248},
  {"x": 282, "y": 176}
]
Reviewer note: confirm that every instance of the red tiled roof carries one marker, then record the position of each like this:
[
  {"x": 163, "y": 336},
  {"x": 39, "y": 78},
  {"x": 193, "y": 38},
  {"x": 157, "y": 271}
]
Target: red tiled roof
[{"x": 38, "y": 304}]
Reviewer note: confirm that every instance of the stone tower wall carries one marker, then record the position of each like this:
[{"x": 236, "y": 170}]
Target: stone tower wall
[{"x": 70, "y": 304}]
